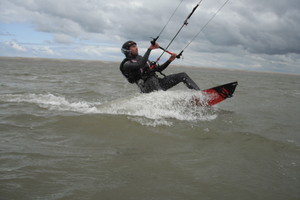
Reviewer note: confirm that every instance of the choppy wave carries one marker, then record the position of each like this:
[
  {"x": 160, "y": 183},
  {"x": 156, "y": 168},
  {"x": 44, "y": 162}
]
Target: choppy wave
[
  {"x": 50, "y": 101},
  {"x": 157, "y": 108}
]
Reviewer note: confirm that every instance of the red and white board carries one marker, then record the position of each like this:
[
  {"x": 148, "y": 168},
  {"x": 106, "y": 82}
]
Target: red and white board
[{"x": 215, "y": 95}]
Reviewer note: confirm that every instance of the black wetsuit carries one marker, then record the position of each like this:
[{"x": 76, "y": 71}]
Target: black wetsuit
[{"x": 138, "y": 70}]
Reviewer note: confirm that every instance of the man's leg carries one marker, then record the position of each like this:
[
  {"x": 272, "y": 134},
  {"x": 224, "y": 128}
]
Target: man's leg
[
  {"x": 172, "y": 80},
  {"x": 150, "y": 85}
]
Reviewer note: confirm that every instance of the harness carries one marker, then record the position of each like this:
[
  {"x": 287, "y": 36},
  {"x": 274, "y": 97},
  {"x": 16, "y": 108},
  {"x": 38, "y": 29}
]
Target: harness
[{"x": 144, "y": 74}]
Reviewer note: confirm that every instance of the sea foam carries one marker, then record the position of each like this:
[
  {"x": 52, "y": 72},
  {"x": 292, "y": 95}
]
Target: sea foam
[{"x": 157, "y": 108}]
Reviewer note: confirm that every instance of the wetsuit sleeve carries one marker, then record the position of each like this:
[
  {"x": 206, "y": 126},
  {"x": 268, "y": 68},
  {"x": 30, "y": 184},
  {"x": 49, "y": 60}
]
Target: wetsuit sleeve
[
  {"x": 162, "y": 67},
  {"x": 133, "y": 66}
]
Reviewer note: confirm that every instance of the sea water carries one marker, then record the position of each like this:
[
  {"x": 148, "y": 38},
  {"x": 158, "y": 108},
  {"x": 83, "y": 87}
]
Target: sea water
[{"x": 73, "y": 129}]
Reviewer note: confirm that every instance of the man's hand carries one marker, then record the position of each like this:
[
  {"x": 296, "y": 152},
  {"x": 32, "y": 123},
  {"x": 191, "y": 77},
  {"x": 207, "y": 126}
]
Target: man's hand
[
  {"x": 156, "y": 46},
  {"x": 173, "y": 56}
]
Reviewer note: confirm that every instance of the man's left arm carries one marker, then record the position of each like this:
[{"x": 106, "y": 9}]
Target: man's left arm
[{"x": 162, "y": 67}]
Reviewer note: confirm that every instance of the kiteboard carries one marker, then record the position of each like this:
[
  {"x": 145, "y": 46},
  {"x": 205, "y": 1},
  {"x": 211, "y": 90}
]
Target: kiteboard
[{"x": 215, "y": 95}]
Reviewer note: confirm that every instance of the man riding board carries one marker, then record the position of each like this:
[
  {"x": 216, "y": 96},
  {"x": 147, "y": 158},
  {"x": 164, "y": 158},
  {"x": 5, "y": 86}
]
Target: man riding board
[{"x": 139, "y": 70}]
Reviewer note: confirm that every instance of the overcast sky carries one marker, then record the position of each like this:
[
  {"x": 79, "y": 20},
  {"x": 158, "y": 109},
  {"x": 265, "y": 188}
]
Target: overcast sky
[{"x": 260, "y": 35}]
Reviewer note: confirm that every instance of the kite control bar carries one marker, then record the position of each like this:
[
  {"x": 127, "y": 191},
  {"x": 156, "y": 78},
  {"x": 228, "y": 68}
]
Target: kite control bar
[{"x": 165, "y": 50}]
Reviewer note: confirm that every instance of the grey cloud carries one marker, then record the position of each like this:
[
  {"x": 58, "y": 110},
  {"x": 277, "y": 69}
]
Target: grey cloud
[
  {"x": 68, "y": 17},
  {"x": 263, "y": 27},
  {"x": 269, "y": 27}
]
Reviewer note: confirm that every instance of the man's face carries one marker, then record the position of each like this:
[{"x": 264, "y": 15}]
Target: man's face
[{"x": 134, "y": 50}]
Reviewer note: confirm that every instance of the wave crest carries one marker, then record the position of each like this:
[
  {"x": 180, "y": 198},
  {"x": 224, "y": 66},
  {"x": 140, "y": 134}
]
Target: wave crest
[{"x": 157, "y": 108}]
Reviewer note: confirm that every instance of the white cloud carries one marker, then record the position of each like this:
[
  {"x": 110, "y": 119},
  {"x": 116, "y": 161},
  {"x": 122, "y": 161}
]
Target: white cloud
[
  {"x": 14, "y": 45},
  {"x": 91, "y": 50},
  {"x": 103, "y": 52},
  {"x": 43, "y": 50}
]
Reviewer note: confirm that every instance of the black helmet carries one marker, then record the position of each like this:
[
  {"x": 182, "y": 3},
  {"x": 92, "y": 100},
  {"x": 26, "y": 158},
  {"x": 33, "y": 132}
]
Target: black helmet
[{"x": 126, "y": 48}]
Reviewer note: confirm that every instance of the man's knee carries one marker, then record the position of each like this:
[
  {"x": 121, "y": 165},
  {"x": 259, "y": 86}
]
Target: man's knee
[
  {"x": 184, "y": 76},
  {"x": 181, "y": 75}
]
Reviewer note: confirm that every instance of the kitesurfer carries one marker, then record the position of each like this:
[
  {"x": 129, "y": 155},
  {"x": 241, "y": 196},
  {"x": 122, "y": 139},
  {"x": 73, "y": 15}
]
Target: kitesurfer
[{"x": 139, "y": 70}]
